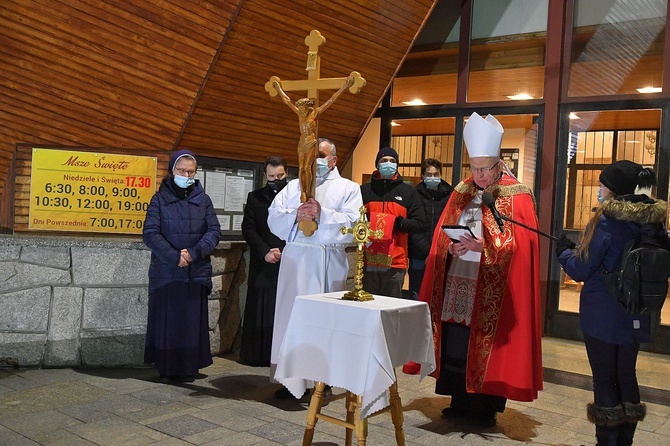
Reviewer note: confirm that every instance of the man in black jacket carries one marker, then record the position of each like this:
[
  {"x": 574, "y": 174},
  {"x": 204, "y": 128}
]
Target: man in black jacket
[
  {"x": 434, "y": 192},
  {"x": 265, "y": 254},
  {"x": 396, "y": 208}
]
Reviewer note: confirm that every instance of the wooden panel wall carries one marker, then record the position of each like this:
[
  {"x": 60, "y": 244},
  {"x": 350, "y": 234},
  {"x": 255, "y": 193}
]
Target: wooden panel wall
[
  {"x": 159, "y": 75},
  {"x": 115, "y": 73},
  {"x": 235, "y": 114}
]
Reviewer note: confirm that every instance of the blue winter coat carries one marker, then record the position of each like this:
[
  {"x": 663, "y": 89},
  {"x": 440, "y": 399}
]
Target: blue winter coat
[
  {"x": 601, "y": 316},
  {"x": 173, "y": 224}
]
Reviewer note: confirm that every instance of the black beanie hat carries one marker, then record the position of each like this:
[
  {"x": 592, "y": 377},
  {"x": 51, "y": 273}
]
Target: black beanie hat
[
  {"x": 386, "y": 151},
  {"x": 622, "y": 177}
]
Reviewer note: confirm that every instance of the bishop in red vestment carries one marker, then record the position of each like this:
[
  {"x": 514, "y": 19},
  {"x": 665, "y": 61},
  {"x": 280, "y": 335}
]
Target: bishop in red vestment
[{"x": 483, "y": 291}]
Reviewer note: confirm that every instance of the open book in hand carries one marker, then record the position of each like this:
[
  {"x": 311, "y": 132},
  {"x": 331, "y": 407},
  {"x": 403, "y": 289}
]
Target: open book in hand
[{"x": 454, "y": 232}]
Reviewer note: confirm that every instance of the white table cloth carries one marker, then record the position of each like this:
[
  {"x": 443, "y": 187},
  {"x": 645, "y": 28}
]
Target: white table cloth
[{"x": 354, "y": 345}]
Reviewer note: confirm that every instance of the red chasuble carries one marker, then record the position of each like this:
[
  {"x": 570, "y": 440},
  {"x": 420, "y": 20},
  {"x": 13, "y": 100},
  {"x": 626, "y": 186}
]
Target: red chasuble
[{"x": 505, "y": 353}]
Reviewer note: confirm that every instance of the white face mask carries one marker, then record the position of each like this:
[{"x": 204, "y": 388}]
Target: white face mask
[
  {"x": 322, "y": 167},
  {"x": 183, "y": 182}
]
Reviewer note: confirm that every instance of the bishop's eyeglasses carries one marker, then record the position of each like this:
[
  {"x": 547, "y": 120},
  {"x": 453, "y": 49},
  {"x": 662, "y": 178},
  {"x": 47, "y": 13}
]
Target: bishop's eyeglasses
[{"x": 482, "y": 170}]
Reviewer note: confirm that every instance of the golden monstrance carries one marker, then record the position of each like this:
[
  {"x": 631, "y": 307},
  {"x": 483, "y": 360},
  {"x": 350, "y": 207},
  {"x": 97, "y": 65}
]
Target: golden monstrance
[{"x": 362, "y": 233}]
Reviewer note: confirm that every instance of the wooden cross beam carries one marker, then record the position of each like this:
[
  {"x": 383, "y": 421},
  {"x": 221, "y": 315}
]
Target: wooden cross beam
[
  {"x": 308, "y": 112},
  {"x": 314, "y": 82}
]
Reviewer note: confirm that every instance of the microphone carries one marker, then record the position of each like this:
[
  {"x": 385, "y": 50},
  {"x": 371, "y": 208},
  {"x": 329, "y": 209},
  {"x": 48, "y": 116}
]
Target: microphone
[{"x": 490, "y": 202}]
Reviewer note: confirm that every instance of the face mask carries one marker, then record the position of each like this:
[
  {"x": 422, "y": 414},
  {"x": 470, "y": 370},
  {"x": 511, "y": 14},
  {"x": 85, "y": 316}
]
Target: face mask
[
  {"x": 277, "y": 185},
  {"x": 601, "y": 199},
  {"x": 322, "y": 167},
  {"x": 388, "y": 169},
  {"x": 183, "y": 182},
  {"x": 432, "y": 182}
]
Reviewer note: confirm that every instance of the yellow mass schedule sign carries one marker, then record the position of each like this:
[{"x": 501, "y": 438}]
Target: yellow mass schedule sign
[{"x": 90, "y": 192}]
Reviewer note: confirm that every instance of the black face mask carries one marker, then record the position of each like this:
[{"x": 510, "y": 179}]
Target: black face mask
[{"x": 277, "y": 185}]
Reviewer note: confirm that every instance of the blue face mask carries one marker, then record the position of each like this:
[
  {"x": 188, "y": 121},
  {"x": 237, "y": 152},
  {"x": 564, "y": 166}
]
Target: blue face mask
[
  {"x": 183, "y": 182},
  {"x": 387, "y": 169},
  {"x": 322, "y": 167},
  {"x": 601, "y": 199},
  {"x": 432, "y": 182}
]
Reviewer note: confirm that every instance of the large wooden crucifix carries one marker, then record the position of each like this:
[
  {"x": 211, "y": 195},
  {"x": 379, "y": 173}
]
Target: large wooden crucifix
[{"x": 308, "y": 111}]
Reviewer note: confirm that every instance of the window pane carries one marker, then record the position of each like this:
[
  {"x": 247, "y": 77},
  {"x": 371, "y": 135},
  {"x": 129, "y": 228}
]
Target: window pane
[
  {"x": 507, "y": 51},
  {"x": 601, "y": 138},
  {"x": 428, "y": 74},
  {"x": 598, "y": 138},
  {"x": 418, "y": 139},
  {"x": 617, "y": 47}
]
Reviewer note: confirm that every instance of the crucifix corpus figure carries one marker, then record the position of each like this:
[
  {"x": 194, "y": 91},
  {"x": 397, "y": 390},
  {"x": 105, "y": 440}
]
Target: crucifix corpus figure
[{"x": 308, "y": 112}]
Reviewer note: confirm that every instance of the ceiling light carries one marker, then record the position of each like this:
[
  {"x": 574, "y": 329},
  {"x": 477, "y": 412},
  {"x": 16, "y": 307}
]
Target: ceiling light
[
  {"x": 416, "y": 101},
  {"x": 520, "y": 97},
  {"x": 650, "y": 90},
  {"x": 394, "y": 124},
  {"x": 574, "y": 116}
]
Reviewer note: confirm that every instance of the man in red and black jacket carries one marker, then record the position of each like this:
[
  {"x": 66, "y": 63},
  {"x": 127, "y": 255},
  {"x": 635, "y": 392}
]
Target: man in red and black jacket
[{"x": 396, "y": 208}]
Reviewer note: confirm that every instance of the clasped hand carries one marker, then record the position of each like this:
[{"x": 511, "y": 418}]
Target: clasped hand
[
  {"x": 467, "y": 243},
  {"x": 309, "y": 210},
  {"x": 184, "y": 259},
  {"x": 273, "y": 255}
]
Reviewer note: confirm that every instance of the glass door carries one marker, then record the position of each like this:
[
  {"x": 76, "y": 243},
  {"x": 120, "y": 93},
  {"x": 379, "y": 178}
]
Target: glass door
[{"x": 594, "y": 140}]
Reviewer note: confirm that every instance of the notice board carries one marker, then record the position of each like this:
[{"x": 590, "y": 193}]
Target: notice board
[
  {"x": 90, "y": 191},
  {"x": 228, "y": 183}
]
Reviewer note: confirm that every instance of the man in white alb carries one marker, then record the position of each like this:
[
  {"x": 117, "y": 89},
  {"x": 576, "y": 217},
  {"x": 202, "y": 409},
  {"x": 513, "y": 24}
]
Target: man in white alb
[{"x": 318, "y": 263}]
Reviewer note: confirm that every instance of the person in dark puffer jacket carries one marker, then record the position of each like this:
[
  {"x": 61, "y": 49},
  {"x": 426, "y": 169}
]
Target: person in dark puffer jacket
[
  {"x": 182, "y": 230},
  {"x": 611, "y": 335},
  {"x": 396, "y": 208},
  {"x": 434, "y": 192}
]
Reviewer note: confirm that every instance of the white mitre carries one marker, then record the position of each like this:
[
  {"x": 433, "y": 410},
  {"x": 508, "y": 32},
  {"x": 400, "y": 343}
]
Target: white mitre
[{"x": 483, "y": 137}]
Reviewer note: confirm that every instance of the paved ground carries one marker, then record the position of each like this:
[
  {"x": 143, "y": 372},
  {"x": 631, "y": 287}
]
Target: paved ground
[{"x": 233, "y": 404}]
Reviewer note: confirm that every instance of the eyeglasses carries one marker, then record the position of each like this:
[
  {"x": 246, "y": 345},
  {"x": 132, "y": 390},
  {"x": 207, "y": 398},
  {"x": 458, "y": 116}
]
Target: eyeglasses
[
  {"x": 184, "y": 172},
  {"x": 481, "y": 170}
]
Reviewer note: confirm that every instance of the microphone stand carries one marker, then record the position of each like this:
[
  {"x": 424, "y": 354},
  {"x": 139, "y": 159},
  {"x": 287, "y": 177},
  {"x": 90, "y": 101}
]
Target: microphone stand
[{"x": 506, "y": 218}]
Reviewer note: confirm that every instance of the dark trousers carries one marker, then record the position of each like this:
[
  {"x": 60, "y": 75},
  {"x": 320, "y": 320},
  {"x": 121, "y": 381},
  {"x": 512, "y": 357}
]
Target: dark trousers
[
  {"x": 415, "y": 279},
  {"x": 386, "y": 282},
  {"x": 613, "y": 369},
  {"x": 259, "y": 314},
  {"x": 453, "y": 359},
  {"x": 614, "y": 383}
]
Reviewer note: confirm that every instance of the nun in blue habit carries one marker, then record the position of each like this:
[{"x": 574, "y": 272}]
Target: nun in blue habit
[{"x": 182, "y": 230}]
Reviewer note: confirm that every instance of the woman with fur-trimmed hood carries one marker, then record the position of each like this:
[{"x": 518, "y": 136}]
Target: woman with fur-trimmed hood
[{"x": 611, "y": 335}]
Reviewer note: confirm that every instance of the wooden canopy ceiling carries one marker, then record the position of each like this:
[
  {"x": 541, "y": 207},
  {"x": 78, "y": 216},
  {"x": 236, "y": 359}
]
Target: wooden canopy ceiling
[{"x": 158, "y": 75}]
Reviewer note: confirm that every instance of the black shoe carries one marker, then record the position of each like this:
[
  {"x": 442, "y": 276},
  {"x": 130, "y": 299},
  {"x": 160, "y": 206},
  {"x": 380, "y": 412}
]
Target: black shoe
[
  {"x": 487, "y": 420},
  {"x": 251, "y": 363},
  {"x": 453, "y": 412},
  {"x": 164, "y": 378},
  {"x": 184, "y": 378},
  {"x": 283, "y": 393}
]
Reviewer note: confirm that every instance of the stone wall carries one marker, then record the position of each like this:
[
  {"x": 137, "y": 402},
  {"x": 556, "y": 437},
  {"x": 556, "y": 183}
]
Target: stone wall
[{"x": 83, "y": 301}]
